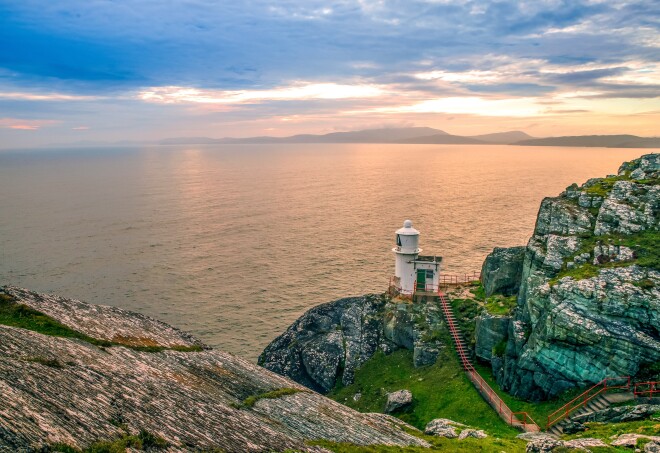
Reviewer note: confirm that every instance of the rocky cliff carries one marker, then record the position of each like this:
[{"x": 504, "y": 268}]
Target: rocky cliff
[
  {"x": 588, "y": 306},
  {"x": 579, "y": 303},
  {"x": 73, "y": 375},
  {"x": 329, "y": 342}
]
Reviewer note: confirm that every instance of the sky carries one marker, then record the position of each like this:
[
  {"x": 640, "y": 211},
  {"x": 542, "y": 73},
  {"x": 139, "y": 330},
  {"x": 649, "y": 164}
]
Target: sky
[{"x": 112, "y": 70}]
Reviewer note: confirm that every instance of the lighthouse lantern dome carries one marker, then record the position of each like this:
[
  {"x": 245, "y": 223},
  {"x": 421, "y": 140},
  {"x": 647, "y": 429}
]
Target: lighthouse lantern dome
[{"x": 407, "y": 239}]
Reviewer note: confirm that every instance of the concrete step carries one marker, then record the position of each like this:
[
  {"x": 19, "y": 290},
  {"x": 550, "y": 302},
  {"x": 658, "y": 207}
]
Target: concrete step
[{"x": 619, "y": 397}]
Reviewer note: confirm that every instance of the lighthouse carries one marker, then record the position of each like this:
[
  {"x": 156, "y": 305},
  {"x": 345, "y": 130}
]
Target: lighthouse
[{"x": 413, "y": 273}]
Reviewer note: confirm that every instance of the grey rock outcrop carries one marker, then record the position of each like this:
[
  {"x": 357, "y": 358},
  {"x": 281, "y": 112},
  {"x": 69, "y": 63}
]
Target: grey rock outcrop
[
  {"x": 330, "y": 342},
  {"x": 398, "y": 400},
  {"x": 490, "y": 332},
  {"x": 577, "y": 322},
  {"x": 501, "y": 271},
  {"x": 619, "y": 414},
  {"x": 66, "y": 390},
  {"x": 630, "y": 440},
  {"x": 652, "y": 447},
  {"x": 443, "y": 427},
  {"x": 469, "y": 432},
  {"x": 541, "y": 442}
]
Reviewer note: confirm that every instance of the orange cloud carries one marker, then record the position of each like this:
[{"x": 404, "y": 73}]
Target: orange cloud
[{"x": 24, "y": 125}]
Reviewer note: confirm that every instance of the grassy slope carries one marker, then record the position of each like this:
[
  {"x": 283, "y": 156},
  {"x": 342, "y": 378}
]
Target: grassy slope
[{"x": 439, "y": 391}]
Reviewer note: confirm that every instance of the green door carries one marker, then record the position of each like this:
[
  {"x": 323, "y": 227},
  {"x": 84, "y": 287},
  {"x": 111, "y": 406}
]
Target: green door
[{"x": 421, "y": 279}]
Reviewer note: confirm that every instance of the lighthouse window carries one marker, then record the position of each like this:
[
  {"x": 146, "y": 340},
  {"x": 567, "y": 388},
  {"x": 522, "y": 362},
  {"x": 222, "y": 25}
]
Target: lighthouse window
[
  {"x": 429, "y": 273},
  {"x": 398, "y": 240}
]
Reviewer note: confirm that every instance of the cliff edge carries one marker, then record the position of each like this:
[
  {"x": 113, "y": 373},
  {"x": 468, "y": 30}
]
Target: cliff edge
[
  {"x": 75, "y": 376},
  {"x": 588, "y": 306}
]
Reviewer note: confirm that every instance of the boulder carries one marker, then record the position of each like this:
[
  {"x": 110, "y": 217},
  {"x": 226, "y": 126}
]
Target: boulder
[
  {"x": 652, "y": 447},
  {"x": 329, "y": 342},
  {"x": 443, "y": 427},
  {"x": 501, "y": 271},
  {"x": 585, "y": 443},
  {"x": 425, "y": 353},
  {"x": 542, "y": 443},
  {"x": 398, "y": 400},
  {"x": 469, "y": 432},
  {"x": 629, "y": 440}
]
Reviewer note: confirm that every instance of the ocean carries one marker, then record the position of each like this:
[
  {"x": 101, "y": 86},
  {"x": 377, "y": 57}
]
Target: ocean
[{"x": 234, "y": 242}]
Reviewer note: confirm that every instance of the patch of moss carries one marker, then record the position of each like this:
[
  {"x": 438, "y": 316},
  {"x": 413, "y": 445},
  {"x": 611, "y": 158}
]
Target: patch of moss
[
  {"x": 53, "y": 363},
  {"x": 645, "y": 246},
  {"x": 250, "y": 401},
  {"x": 466, "y": 310},
  {"x": 500, "y": 305},
  {"x": 142, "y": 441},
  {"x": 499, "y": 349},
  {"x": 603, "y": 186}
]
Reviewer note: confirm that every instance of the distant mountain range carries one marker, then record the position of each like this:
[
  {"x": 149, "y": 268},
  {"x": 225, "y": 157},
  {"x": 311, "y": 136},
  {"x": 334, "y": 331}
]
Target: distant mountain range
[
  {"x": 604, "y": 141},
  {"x": 404, "y": 135},
  {"x": 390, "y": 135},
  {"x": 428, "y": 135}
]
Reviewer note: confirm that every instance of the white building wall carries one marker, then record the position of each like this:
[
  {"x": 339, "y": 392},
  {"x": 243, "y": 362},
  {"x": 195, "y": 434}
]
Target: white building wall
[{"x": 405, "y": 270}]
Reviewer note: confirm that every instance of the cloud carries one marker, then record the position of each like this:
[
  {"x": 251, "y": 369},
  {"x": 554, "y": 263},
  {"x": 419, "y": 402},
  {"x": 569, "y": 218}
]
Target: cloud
[
  {"x": 23, "y": 124},
  {"x": 296, "y": 91}
]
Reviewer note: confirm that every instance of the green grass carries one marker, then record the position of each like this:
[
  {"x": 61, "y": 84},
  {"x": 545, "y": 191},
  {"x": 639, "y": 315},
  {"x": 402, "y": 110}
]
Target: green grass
[
  {"x": 489, "y": 444},
  {"x": 14, "y": 314},
  {"x": 19, "y": 315},
  {"x": 646, "y": 247},
  {"x": 605, "y": 431},
  {"x": 142, "y": 441},
  {"x": 439, "y": 391},
  {"x": 466, "y": 310},
  {"x": 603, "y": 186},
  {"x": 539, "y": 411},
  {"x": 250, "y": 401},
  {"x": 499, "y": 305}
]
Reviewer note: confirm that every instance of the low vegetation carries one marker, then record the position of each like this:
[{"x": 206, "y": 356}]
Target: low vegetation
[
  {"x": 606, "y": 431},
  {"x": 645, "y": 245},
  {"x": 14, "y": 314},
  {"x": 250, "y": 401},
  {"x": 144, "y": 440},
  {"x": 489, "y": 444},
  {"x": 439, "y": 391},
  {"x": 539, "y": 411}
]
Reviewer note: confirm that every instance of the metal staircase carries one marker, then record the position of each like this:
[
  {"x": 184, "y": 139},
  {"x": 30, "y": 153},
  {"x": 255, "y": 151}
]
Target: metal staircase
[{"x": 520, "y": 420}]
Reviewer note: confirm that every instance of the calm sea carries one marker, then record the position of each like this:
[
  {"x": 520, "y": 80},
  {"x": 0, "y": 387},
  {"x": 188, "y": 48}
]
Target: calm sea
[{"x": 233, "y": 243}]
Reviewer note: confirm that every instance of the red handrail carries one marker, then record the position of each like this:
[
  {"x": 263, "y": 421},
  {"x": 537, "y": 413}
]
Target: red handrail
[
  {"x": 443, "y": 280},
  {"x": 518, "y": 419},
  {"x": 582, "y": 399},
  {"x": 653, "y": 387}
]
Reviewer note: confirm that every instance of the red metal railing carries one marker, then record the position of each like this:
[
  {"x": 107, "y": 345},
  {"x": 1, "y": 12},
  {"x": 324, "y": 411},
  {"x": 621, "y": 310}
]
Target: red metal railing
[
  {"x": 647, "y": 389},
  {"x": 518, "y": 419},
  {"x": 458, "y": 279},
  {"x": 581, "y": 400},
  {"x": 443, "y": 280}
]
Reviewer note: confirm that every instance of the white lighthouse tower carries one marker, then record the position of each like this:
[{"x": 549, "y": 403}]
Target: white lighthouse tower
[{"x": 413, "y": 273}]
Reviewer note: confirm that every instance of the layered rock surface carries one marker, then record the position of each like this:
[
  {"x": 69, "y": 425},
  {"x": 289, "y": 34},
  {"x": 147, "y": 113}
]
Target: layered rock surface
[
  {"x": 589, "y": 300},
  {"x": 62, "y": 390},
  {"x": 329, "y": 342}
]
